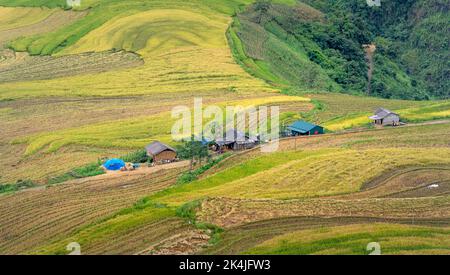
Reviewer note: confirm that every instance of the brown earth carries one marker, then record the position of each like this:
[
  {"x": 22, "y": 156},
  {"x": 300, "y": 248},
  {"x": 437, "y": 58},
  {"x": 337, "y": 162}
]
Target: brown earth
[{"x": 185, "y": 243}]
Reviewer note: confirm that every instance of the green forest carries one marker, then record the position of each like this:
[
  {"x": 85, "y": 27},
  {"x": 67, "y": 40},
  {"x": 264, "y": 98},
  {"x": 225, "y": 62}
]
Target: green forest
[{"x": 321, "y": 45}]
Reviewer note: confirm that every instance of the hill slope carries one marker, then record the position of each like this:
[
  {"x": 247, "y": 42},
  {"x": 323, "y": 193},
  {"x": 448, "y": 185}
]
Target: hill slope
[{"x": 321, "y": 46}]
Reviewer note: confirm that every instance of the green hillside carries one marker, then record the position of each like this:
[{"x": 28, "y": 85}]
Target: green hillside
[{"x": 320, "y": 45}]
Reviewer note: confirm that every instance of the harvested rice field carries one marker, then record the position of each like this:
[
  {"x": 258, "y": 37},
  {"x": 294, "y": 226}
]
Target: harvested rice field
[{"x": 81, "y": 85}]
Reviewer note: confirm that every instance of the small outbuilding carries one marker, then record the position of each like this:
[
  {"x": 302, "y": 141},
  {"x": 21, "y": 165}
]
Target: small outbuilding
[
  {"x": 303, "y": 128},
  {"x": 385, "y": 117},
  {"x": 161, "y": 153},
  {"x": 234, "y": 140}
]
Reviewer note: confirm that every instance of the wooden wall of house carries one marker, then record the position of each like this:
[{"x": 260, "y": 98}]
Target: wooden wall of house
[
  {"x": 391, "y": 120},
  {"x": 165, "y": 156}
]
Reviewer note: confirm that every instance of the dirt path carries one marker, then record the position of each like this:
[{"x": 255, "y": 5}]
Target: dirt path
[
  {"x": 432, "y": 122},
  {"x": 370, "y": 51}
]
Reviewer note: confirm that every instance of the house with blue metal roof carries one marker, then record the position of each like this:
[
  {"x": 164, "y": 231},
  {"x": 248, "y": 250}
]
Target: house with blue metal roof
[{"x": 303, "y": 128}]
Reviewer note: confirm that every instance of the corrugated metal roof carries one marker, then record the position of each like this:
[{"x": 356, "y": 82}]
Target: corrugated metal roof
[
  {"x": 232, "y": 136},
  {"x": 157, "y": 147},
  {"x": 381, "y": 113},
  {"x": 302, "y": 126}
]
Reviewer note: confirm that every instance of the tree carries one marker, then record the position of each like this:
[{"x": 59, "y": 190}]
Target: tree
[
  {"x": 193, "y": 150},
  {"x": 262, "y": 6}
]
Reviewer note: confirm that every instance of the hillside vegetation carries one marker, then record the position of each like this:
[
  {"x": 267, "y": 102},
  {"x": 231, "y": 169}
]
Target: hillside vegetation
[{"x": 321, "y": 46}]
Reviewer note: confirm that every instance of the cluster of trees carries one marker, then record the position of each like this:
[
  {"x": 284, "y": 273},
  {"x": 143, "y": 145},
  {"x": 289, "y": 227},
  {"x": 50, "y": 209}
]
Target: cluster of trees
[{"x": 194, "y": 151}]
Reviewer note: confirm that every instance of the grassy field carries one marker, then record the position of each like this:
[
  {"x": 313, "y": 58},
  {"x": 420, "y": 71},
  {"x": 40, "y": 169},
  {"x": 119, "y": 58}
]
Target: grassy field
[{"x": 353, "y": 239}]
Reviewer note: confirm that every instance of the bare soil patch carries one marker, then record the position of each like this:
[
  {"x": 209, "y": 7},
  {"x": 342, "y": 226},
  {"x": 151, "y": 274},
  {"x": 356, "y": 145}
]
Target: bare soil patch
[{"x": 185, "y": 243}]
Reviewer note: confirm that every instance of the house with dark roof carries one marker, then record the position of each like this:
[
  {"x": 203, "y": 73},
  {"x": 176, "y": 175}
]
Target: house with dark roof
[
  {"x": 234, "y": 140},
  {"x": 385, "y": 117},
  {"x": 160, "y": 152},
  {"x": 303, "y": 128}
]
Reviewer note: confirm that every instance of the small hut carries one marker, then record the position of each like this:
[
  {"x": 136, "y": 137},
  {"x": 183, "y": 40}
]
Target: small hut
[
  {"x": 161, "y": 153},
  {"x": 234, "y": 140},
  {"x": 385, "y": 117},
  {"x": 303, "y": 128}
]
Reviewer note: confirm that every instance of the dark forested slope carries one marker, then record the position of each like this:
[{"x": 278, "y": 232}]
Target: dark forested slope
[{"x": 328, "y": 45}]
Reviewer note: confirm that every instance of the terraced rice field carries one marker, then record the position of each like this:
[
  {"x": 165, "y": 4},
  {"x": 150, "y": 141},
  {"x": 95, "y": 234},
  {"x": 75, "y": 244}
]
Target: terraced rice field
[
  {"x": 22, "y": 67},
  {"x": 302, "y": 174},
  {"x": 230, "y": 213},
  {"x": 25, "y": 22},
  {"x": 416, "y": 114},
  {"x": 399, "y": 210},
  {"x": 353, "y": 239},
  {"x": 180, "y": 63},
  {"x": 46, "y": 213},
  {"x": 13, "y": 18},
  {"x": 264, "y": 237},
  {"x": 342, "y": 182},
  {"x": 250, "y": 221}
]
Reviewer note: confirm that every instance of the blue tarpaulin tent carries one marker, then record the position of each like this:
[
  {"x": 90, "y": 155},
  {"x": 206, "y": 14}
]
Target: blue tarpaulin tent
[{"x": 114, "y": 164}]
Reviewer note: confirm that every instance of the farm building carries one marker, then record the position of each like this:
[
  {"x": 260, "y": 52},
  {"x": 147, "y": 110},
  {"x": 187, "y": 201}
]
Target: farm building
[
  {"x": 161, "y": 153},
  {"x": 303, "y": 128},
  {"x": 234, "y": 140},
  {"x": 385, "y": 117}
]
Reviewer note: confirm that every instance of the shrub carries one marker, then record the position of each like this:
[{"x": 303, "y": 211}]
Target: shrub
[
  {"x": 5, "y": 188},
  {"x": 137, "y": 157},
  {"x": 187, "y": 210},
  {"x": 193, "y": 175},
  {"x": 187, "y": 177},
  {"x": 89, "y": 170},
  {"x": 19, "y": 185}
]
